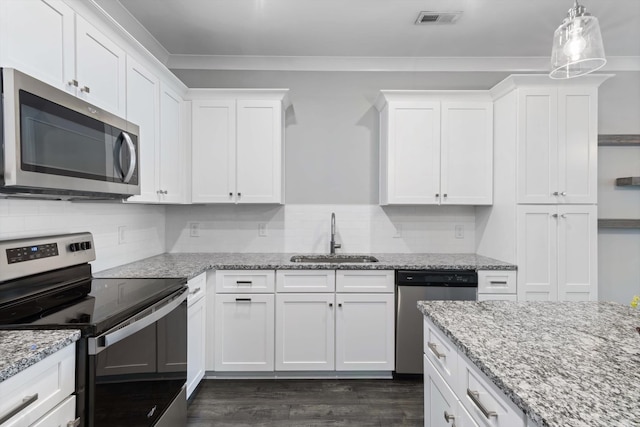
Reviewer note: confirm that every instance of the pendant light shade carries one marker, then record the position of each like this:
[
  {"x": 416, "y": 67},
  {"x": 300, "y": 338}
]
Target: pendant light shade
[{"x": 577, "y": 45}]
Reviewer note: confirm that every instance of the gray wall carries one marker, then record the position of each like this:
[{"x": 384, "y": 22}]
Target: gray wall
[{"x": 332, "y": 128}]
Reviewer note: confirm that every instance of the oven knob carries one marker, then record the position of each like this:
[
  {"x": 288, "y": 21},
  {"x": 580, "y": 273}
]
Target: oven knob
[
  {"x": 84, "y": 246},
  {"x": 74, "y": 247}
]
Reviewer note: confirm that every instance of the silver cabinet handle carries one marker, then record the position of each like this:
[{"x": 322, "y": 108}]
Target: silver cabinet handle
[
  {"x": 448, "y": 417},
  {"x": 330, "y": 304},
  {"x": 498, "y": 282},
  {"x": 564, "y": 193},
  {"x": 132, "y": 157},
  {"x": 475, "y": 398},
  {"x": 434, "y": 350},
  {"x": 195, "y": 291},
  {"x": 554, "y": 215},
  {"x": 563, "y": 216},
  {"x": 243, "y": 299},
  {"x": 555, "y": 193},
  {"x": 444, "y": 195},
  {"x": 26, "y": 401},
  {"x": 85, "y": 89},
  {"x": 244, "y": 282},
  {"x": 74, "y": 423},
  {"x": 162, "y": 192},
  {"x": 437, "y": 195},
  {"x": 73, "y": 82}
]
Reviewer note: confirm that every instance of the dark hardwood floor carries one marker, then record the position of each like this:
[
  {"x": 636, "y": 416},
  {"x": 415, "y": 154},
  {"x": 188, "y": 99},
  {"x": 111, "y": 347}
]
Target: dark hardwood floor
[{"x": 323, "y": 402}]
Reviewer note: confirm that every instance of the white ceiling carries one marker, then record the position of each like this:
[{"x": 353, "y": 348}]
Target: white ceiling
[{"x": 215, "y": 30}]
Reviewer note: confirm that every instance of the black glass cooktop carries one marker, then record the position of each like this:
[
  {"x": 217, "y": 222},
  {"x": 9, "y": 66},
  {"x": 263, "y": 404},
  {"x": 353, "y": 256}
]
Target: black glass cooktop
[{"x": 71, "y": 298}]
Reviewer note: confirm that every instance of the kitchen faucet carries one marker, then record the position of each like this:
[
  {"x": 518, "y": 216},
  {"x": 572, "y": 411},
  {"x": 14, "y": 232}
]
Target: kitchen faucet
[{"x": 333, "y": 245}]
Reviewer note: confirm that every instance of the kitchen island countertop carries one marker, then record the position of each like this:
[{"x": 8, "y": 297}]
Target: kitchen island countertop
[
  {"x": 20, "y": 349},
  {"x": 190, "y": 265},
  {"x": 565, "y": 364}
]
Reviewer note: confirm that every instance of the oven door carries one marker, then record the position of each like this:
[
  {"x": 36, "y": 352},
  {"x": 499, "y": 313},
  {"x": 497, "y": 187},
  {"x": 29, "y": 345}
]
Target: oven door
[{"x": 138, "y": 369}]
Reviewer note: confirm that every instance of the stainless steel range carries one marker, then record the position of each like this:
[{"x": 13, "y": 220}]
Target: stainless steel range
[{"x": 132, "y": 356}]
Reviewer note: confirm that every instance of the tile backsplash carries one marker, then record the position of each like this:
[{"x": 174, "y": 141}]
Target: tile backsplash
[
  {"x": 122, "y": 232},
  {"x": 306, "y": 228}
]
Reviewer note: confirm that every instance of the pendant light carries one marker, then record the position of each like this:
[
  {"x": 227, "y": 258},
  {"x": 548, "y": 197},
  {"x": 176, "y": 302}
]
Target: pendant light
[{"x": 577, "y": 45}]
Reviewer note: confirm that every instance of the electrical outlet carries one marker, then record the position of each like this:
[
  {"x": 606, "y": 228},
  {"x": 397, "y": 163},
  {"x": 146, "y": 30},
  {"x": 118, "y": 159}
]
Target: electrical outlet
[
  {"x": 459, "y": 231},
  {"x": 262, "y": 230},
  {"x": 122, "y": 234},
  {"x": 194, "y": 229},
  {"x": 398, "y": 232}
]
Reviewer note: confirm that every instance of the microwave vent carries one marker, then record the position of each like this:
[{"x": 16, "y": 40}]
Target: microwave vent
[{"x": 430, "y": 18}]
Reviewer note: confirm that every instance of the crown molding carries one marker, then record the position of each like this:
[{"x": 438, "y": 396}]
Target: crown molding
[{"x": 406, "y": 64}]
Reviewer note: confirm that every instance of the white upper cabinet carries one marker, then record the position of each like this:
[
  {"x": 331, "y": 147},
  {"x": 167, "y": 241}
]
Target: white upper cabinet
[
  {"x": 143, "y": 109},
  {"x": 556, "y": 128},
  {"x": 65, "y": 51},
  {"x": 436, "y": 147},
  {"x": 238, "y": 145},
  {"x": 171, "y": 186}
]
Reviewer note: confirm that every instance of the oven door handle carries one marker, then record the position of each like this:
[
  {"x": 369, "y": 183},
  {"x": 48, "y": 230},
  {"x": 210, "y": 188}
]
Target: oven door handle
[{"x": 130, "y": 327}]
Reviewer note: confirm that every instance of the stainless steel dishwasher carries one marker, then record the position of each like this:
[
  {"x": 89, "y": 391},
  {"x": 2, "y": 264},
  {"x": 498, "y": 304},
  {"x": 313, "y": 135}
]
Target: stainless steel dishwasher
[{"x": 424, "y": 285}]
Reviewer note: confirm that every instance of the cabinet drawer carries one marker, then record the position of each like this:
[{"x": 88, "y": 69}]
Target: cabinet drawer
[
  {"x": 496, "y": 282},
  {"x": 440, "y": 352},
  {"x": 489, "y": 406},
  {"x": 365, "y": 281},
  {"x": 52, "y": 379},
  {"x": 306, "y": 280},
  {"x": 245, "y": 281},
  {"x": 197, "y": 288},
  {"x": 62, "y": 416}
]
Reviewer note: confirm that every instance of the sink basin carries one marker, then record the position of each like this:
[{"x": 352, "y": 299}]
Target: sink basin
[{"x": 334, "y": 259}]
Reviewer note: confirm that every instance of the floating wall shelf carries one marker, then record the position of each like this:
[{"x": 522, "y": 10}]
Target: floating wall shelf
[
  {"x": 619, "y": 223},
  {"x": 631, "y": 181},
  {"x": 618, "y": 140}
]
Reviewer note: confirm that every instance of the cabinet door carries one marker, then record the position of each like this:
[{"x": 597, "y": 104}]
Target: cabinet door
[
  {"x": 38, "y": 38},
  {"x": 365, "y": 332},
  {"x": 537, "y": 253},
  {"x": 537, "y": 145},
  {"x": 305, "y": 332},
  {"x": 195, "y": 344},
  {"x": 441, "y": 407},
  {"x": 466, "y": 176},
  {"x": 259, "y": 151},
  {"x": 412, "y": 156},
  {"x": 143, "y": 90},
  {"x": 578, "y": 145},
  {"x": 213, "y": 152},
  {"x": 577, "y": 253},
  {"x": 244, "y": 332},
  {"x": 100, "y": 69},
  {"x": 170, "y": 146}
]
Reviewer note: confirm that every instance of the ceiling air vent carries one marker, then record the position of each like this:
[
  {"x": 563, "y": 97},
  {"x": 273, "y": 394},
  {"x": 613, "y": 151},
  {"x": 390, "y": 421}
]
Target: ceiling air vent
[{"x": 426, "y": 18}]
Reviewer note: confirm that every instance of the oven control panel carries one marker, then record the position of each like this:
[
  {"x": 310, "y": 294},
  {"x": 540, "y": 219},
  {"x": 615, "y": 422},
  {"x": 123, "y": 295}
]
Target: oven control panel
[
  {"x": 27, "y": 253},
  {"x": 33, "y": 255}
]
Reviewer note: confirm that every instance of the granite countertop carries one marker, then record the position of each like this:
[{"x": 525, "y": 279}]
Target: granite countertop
[
  {"x": 190, "y": 265},
  {"x": 20, "y": 349},
  {"x": 565, "y": 364}
]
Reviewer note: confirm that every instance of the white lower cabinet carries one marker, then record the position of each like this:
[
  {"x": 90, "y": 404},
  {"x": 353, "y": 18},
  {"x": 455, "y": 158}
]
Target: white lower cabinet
[
  {"x": 42, "y": 391},
  {"x": 196, "y": 338},
  {"x": 305, "y": 332},
  {"x": 464, "y": 396},
  {"x": 365, "y": 332},
  {"x": 244, "y": 332},
  {"x": 441, "y": 406}
]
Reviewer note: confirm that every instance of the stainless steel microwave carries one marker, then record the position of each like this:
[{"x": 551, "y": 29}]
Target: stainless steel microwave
[{"x": 55, "y": 145}]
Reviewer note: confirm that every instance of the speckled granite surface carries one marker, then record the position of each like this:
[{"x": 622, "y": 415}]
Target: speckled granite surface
[
  {"x": 566, "y": 364},
  {"x": 191, "y": 264},
  {"x": 22, "y": 348}
]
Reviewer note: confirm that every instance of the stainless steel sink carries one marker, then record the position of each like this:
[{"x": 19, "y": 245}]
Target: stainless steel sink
[{"x": 334, "y": 259}]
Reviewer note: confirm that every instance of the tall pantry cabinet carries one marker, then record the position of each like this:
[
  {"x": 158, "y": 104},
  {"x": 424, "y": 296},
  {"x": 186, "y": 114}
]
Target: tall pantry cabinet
[{"x": 544, "y": 216}]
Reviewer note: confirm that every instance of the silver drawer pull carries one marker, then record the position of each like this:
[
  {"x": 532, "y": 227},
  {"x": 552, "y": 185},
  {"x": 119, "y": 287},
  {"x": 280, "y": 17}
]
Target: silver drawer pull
[
  {"x": 195, "y": 291},
  {"x": 475, "y": 398},
  {"x": 498, "y": 282},
  {"x": 449, "y": 417},
  {"x": 26, "y": 401},
  {"x": 74, "y": 423},
  {"x": 434, "y": 349},
  {"x": 243, "y": 299},
  {"x": 244, "y": 282}
]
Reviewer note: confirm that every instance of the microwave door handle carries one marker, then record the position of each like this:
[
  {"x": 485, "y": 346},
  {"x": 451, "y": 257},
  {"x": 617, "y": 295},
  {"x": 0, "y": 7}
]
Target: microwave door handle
[
  {"x": 132, "y": 157},
  {"x": 120, "y": 332}
]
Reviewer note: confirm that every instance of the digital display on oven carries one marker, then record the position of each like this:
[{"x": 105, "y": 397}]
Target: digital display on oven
[{"x": 28, "y": 253}]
